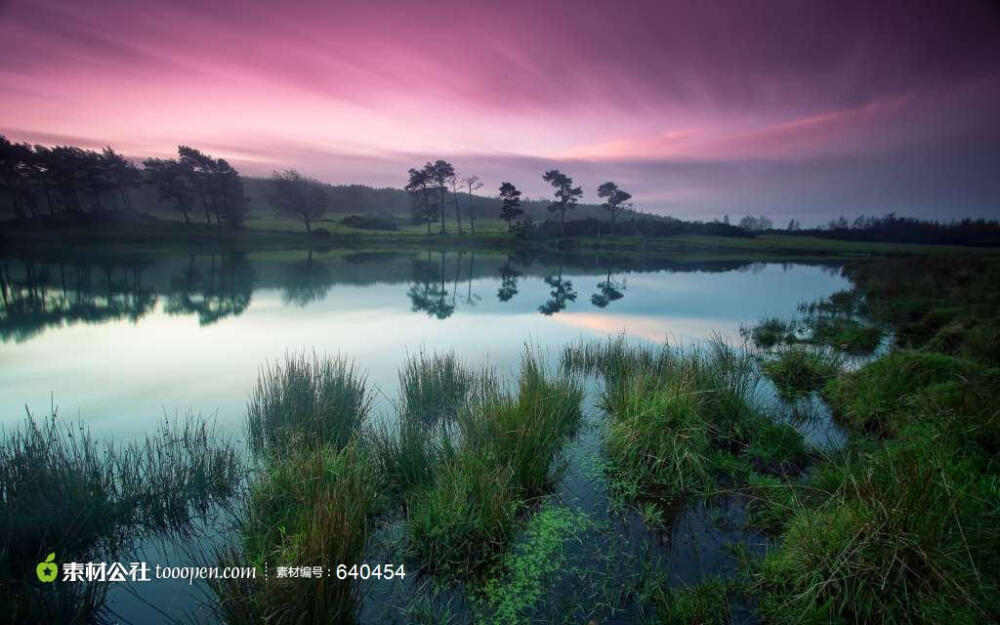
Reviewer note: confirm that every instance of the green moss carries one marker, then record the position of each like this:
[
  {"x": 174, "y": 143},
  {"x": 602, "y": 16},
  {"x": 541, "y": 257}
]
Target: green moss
[{"x": 531, "y": 571}]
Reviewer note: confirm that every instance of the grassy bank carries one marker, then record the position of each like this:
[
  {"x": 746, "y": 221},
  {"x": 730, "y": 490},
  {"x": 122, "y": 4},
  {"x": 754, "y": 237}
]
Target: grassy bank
[
  {"x": 261, "y": 234},
  {"x": 901, "y": 526}
]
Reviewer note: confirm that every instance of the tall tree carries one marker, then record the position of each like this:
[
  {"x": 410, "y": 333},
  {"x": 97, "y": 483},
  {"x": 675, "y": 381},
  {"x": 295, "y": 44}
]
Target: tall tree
[
  {"x": 200, "y": 170},
  {"x": 172, "y": 183},
  {"x": 614, "y": 200},
  {"x": 453, "y": 183},
  {"x": 418, "y": 187},
  {"x": 233, "y": 203},
  {"x": 297, "y": 196},
  {"x": 440, "y": 173},
  {"x": 472, "y": 183},
  {"x": 15, "y": 168},
  {"x": 122, "y": 173},
  {"x": 41, "y": 172},
  {"x": 65, "y": 165},
  {"x": 511, "y": 207},
  {"x": 566, "y": 195},
  {"x": 96, "y": 177}
]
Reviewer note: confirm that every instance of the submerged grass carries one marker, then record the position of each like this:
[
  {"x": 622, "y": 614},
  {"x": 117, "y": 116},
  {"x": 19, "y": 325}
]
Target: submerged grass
[{"x": 706, "y": 603}]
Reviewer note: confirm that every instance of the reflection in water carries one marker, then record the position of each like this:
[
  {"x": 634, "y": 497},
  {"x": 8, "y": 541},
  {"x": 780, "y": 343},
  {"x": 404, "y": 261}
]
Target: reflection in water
[
  {"x": 608, "y": 291},
  {"x": 43, "y": 296},
  {"x": 508, "y": 282},
  {"x": 427, "y": 291},
  {"x": 221, "y": 289},
  {"x": 561, "y": 293},
  {"x": 308, "y": 281},
  {"x": 40, "y": 293}
]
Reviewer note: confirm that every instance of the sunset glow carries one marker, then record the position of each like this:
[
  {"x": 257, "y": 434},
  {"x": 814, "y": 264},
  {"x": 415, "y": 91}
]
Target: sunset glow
[{"x": 699, "y": 110}]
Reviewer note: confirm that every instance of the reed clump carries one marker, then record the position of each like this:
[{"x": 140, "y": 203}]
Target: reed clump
[
  {"x": 315, "y": 497},
  {"x": 498, "y": 458},
  {"x": 434, "y": 387},
  {"x": 797, "y": 369},
  {"x": 63, "y": 491},
  {"x": 682, "y": 420},
  {"x": 306, "y": 400}
]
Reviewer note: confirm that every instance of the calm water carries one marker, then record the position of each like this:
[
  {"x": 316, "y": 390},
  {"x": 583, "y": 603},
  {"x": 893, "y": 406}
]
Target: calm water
[{"x": 121, "y": 341}]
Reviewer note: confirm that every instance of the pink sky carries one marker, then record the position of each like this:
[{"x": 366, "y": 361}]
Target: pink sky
[{"x": 699, "y": 108}]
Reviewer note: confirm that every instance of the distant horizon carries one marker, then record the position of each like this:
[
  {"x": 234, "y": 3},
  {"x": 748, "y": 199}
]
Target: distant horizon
[{"x": 806, "y": 111}]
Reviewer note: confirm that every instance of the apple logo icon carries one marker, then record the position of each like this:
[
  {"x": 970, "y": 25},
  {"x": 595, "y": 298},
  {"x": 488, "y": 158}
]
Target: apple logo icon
[{"x": 48, "y": 570}]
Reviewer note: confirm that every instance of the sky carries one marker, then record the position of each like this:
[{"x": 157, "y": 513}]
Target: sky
[{"x": 700, "y": 109}]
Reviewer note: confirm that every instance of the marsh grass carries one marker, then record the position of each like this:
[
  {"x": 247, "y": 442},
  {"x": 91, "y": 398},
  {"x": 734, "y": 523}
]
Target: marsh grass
[
  {"x": 314, "y": 498},
  {"x": 770, "y": 331},
  {"x": 63, "y": 491},
  {"x": 900, "y": 536},
  {"x": 798, "y": 369},
  {"x": 497, "y": 460},
  {"x": 305, "y": 401},
  {"x": 683, "y": 419},
  {"x": 434, "y": 387},
  {"x": 906, "y": 385},
  {"x": 705, "y": 603},
  {"x": 844, "y": 333},
  {"x": 460, "y": 524},
  {"x": 316, "y": 508}
]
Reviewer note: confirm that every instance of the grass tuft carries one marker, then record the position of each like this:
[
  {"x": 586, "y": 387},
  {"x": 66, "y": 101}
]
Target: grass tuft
[{"x": 306, "y": 402}]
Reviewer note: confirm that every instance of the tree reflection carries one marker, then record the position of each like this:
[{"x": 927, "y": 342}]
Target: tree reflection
[
  {"x": 222, "y": 289},
  {"x": 561, "y": 293},
  {"x": 306, "y": 282},
  {"x": 610, "y": 290},
  {"x": 427, "y": 290},
  {"x": 508, "y": 282},
  {"x": 41, "y": 296}
]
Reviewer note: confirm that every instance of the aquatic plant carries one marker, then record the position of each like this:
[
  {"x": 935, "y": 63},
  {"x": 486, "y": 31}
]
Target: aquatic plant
[
  {"x": 432, "y": 387},
  {"x": 532, "y": 569},
  {"x": 63, "y": 491},
  {"x": 306, "y": 401},
  {"x": 500, "y": 457},
  {"x": 316, "y": 509},
  {"x": 797, "y": 369},
  {"x": 769, "y": 332}
]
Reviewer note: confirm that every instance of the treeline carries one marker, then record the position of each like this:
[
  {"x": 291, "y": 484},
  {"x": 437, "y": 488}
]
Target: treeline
[
  {"x": 434, "y": 190},
  {"x": 66, "y": 180},
  {"x": 891, "y": 228}
]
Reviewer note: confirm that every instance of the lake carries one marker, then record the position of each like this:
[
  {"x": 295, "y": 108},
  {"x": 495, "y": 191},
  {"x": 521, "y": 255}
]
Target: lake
[{"x": 120, "y": 340}]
